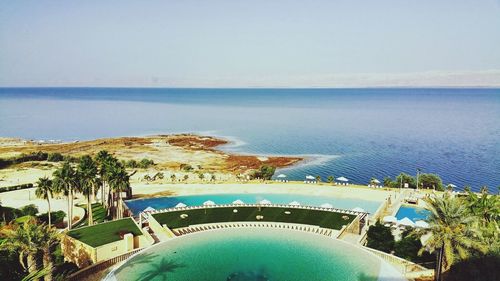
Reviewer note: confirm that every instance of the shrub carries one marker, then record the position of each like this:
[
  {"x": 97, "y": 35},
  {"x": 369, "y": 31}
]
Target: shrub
[
  {"x": 55, "y": 157},
  {"x": 16, "y": 187},
  {"x": 145, "y": 163},
  {"x": 265, "y": 172},
  {"x": 380, "y": 238},
  {"x": 57, "y": 217},
  {"x": 29, "y": 210},
  {"x": 186, "y": 167}
]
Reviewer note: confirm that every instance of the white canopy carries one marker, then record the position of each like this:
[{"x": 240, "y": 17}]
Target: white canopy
[
  {"x": 342, "y": 179},
  {"x": 326, "y": 205},
  {"x": 294, "y": 203},
  {"x": 422, "y": 224},
  {"x": 149, "y": 209},
  {"x": 390, "y": 219},
  {"x": 358, "y": 209},
  {"x": 309, "y": 177},
  {"x": 238, "y": 202},
  {"x": 281, "y": 176},
  {"x": 375, "y": 181},
  {"x": 265, "y": 202},
  {"x": 208, "y": 203},
  {"x": 180, "y": 205},
  {"x": 406, "y": 222}
]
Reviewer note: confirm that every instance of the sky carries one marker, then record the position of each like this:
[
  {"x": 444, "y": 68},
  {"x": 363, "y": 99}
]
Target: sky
[{"x": 254, "y": 43}]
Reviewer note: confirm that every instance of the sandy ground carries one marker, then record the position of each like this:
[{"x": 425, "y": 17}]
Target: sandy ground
[
  {"x": 354, "y": 192},
  {"x": 20, "y": 198}
]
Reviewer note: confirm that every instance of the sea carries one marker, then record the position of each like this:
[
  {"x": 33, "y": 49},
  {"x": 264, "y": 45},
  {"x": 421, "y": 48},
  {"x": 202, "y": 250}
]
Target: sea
[{"x": 354, "y": 133}]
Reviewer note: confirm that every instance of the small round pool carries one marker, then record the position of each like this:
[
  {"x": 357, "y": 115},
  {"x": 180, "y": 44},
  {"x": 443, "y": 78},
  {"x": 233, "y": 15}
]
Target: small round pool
[{"x": 257, "y": 254}]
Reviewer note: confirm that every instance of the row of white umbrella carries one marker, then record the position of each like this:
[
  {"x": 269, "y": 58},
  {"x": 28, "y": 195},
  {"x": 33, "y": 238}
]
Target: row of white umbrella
[
  {"x": 309, "y": 177},
  {"x": 405, "y": 222},
  {"x": 261, "y": 202}
]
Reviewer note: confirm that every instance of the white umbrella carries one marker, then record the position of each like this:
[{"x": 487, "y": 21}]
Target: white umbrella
[
  {"x": 281, "y": 176},
  {"x": 406, "y": 222},
  {"x": 358, "y": 209},
  {"x": 452, "y": 185},
  {"x": 342, "y": 179},
  {"x": 375, "y": 181},
  {"x": 294, "y": 203},
  {"x": 422, "y": 224},
  {"x": 149, "y": 209},
  {"x": 390, "y": 219},
  {"x": 208, "y": 203},
  {"x": 238, "y": 202},
  {"x": 180, "y": 205},
  {"x": 309, "y": 177},
  {"x": 265, "y": 202},
  {"x": 326, "y": 205}
]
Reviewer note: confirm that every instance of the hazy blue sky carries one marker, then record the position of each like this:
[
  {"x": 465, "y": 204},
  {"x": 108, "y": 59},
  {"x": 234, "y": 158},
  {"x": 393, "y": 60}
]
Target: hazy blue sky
[{"x": 250, "y": 43}]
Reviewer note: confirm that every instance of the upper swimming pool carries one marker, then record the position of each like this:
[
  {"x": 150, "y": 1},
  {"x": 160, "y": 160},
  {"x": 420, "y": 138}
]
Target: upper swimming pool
[
  {"x": 412, "y": 212},
  {"x": 138, "y": 205}
]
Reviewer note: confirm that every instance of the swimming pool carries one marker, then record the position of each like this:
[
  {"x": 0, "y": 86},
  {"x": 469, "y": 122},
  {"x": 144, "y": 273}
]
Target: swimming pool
[
  {"x": 138, "y": 205},
  {"x": 262, "y": 254},
  {"x": 412, "y": 212}
]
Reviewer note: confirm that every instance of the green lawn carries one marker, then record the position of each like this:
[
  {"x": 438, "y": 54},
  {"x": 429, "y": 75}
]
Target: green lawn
[
  {"x": 104, "y": 233},
  {"x": 323, "y": 219},
  {"x": 98, "y": 213}
]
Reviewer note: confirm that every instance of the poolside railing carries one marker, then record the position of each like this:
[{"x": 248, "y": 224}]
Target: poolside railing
[
  {"x": 404, "y": 266},
  {"x": 100, "y": 266},
  {"x": 336, "y": 210}
]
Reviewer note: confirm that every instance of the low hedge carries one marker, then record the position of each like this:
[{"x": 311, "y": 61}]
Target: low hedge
[{"x": 16, "y": 187}]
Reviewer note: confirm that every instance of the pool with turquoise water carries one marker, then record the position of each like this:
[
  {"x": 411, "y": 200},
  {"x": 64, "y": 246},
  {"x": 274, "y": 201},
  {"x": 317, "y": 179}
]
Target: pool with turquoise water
[
  {"x": 256, "y": 254},
  {"x": 413, "y": 213},
  {"x": 138, "y": 205}
]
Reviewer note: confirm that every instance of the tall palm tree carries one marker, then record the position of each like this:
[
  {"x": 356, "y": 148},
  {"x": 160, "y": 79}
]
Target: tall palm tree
[
  {"x": 24, "y": 239},
  {"x": 453, "y": 232},
  {"x": 103, "y": 158},
  {"x": 119, "y": 181},
  {"x": 87, "y": 175},
  {"x": 63, "y": 182},
  {"x": 44, "y": 191},
  {"x": 50, "y": 238}
]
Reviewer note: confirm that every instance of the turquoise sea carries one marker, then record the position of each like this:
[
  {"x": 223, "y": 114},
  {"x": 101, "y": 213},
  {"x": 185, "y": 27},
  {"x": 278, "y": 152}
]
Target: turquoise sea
[{"x": 356, "y": 133}]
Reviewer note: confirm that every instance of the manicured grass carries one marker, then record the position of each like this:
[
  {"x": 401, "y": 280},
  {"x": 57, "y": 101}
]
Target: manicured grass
[
  {"x": 104, "y": 233},
  {"x": 98, "y": 213},
  {"x": 320, "y": 218}
]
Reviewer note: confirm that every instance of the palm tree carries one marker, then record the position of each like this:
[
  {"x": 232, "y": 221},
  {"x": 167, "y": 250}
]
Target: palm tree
[
  {"x": 102, "y": 159},
  {"x": 330, "y": 179},
  {"x": 44, "y": 191},
  {"x": 318, "y": 179},
  {"x": 119, "y": 181},
  {"x": 50, "y": 238},
  {"x": 24, "y": 239},
  {"x": 64, "y": 181},
  {"x": 87, "y": 174},
  {"x": 172, "y": 177},
  {"x": 453, "y": 232}
]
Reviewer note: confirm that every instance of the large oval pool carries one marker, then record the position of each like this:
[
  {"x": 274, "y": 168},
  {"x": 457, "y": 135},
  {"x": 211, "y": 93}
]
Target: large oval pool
[{"x": 257, "y": 254}]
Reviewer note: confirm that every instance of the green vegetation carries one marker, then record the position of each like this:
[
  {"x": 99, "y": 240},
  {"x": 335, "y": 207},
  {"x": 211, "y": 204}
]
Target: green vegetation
[
  {"x": 427, "y": 181},
  {"x": 34, "y": 245},
  {"x": 379, "y": 237},
  {"x": 323, "y": 219},
  {"x": 104, "y": 233},
  {"x": 99, "y": 214},
  {"x": 143, "y": 164},
  {"x": 16, "y": 187},
  {"x": 34, "y": 156},
  {"x": 44, "y": 191},
  {"x": 265, "y": 172},
  {"x": 186, "y": 167},
  {"x": 29, "y": 210},
  {"x": 55, "y": 157}
]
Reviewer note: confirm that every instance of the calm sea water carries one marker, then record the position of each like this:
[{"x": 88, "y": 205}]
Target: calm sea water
[
  {"x": 254, "y": 254},
  {"x": 356, "y": 133}
]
